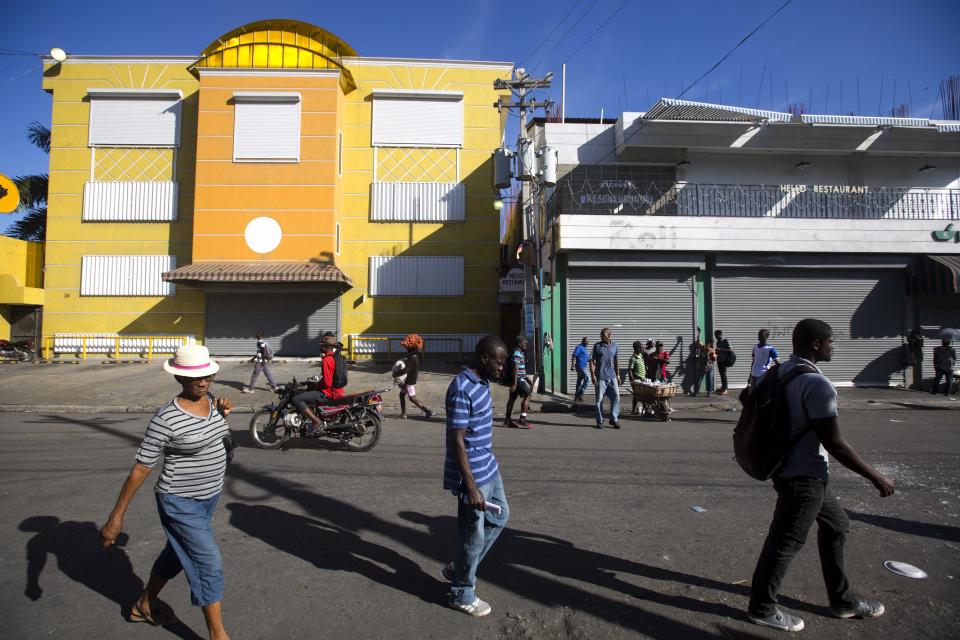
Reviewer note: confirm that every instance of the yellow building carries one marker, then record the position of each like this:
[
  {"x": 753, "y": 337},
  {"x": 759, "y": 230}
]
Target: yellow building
[
  {"x": 277, "y": 181},
  {"x": 21, "y": 289}
]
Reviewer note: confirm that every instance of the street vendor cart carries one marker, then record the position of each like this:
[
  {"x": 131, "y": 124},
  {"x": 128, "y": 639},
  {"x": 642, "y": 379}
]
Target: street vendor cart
[{"x": 654, "y": 398}]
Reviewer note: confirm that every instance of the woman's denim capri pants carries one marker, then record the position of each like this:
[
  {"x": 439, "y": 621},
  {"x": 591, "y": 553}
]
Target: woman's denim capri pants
[{"x": 191, "y": 546}]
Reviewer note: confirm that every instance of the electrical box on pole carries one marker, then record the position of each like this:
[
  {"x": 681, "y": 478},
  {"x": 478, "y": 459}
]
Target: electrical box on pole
[
  {"x": 548, "y": 166},
  {"x": 526, "y": 160},
  {"x": 501, "y": 168}
]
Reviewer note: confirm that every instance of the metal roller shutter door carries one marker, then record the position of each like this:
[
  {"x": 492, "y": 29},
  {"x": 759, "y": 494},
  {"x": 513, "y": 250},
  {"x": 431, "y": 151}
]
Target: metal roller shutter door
[
  {"x": 637, "y": 304},
  {"x": 293, "y": 322},
  {"x": 937, "y": 312},
  {"x": 865, "y": 309}
]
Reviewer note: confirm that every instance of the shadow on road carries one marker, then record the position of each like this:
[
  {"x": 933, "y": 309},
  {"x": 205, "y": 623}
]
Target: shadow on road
[
  {"x": 914, "y": 527},
  {"x": 76, "y": 547},
  {"x": 523, "y": 562},
  {"x": 328, "y": 546}
]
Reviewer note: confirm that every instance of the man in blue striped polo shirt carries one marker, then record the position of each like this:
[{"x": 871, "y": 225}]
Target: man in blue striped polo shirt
[{"x": 472, "y": 474}]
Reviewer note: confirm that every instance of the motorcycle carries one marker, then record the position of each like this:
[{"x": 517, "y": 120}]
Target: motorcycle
[
  {"x": 21, "y": 350},
  {"x": 354, "y": 420}
]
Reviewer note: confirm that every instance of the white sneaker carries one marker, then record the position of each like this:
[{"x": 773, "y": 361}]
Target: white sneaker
[
  {"x": 777, "y": 620},
  {"x": 478, "y": 608},
  {"x": 246, "y": 390}
]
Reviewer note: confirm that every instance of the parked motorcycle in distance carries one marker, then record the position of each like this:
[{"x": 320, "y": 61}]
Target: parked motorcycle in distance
[
  {"x": 354, "y": 420},
  {"x": 21, "y": 350}
]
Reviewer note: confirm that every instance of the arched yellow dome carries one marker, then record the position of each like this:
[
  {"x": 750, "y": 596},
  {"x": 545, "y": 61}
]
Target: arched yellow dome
[{"x": 279, "y": 44}]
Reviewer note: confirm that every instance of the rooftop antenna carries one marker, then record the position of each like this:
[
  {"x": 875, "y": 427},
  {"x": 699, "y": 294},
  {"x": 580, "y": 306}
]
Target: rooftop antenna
[
  {"x": 859, "y": 111},
  {"x": 763, "y": 75},
  {"x": 950, "y": 97},
  {"x": 740, "y": 87},
  {"x": 894, "y": 102},
  {"x": 880, "y": 102},
  {"x": 910, "y": 95}
]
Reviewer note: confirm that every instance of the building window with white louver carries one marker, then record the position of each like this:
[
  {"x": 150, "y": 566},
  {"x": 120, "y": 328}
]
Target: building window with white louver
[
  {"x": 126, "y": 275},
  {"x": 266, "y": 127},
  {"x": 416, "y": 275}
]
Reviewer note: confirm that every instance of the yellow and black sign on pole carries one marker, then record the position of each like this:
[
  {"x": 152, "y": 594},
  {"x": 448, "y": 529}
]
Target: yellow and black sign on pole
[{"x": 9, "y": 195}]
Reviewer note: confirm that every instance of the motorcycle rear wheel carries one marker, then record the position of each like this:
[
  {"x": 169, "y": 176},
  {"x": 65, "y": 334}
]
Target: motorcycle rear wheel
[
  {"x": 370, "y": 436},
  {"x": 266, "y": 436}
]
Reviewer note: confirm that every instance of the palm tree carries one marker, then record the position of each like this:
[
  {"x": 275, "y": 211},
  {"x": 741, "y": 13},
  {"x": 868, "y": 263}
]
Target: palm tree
[{"x": 33, "y": 193}]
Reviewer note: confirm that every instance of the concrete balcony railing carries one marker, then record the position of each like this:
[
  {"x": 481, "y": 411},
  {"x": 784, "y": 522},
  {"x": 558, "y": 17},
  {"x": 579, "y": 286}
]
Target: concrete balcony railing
[
  {"x": 123, "y": 201},
  {"x": 626, "y": 197}
]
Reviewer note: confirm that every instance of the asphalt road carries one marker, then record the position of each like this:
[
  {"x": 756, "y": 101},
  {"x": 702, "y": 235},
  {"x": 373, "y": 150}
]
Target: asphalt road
[{"x": 602, "y": 543}]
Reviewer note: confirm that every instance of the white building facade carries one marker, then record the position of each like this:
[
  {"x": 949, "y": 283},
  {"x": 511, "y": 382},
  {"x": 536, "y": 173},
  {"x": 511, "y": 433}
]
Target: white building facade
[{"x": 697, "y": 215}]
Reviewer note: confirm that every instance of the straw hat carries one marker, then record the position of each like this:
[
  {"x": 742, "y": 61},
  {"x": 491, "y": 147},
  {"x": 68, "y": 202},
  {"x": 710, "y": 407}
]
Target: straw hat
[{"x": 191, "y": 361}]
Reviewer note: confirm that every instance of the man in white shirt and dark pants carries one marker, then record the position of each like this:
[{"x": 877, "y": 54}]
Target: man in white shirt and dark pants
[
  {"x": 764, "y": 356},
  {"x": 803, "y": 490}
]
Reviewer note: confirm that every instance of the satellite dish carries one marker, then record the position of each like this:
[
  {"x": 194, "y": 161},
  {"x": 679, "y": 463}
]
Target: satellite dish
[
  {"x": 9, "y": 195},
  {"x": 58, "y": 54}
]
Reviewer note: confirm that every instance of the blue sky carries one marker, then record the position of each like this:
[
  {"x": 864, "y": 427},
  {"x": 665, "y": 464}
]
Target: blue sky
[{"x": 647, "y": 50}]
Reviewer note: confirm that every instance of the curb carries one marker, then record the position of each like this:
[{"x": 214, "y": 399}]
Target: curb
[{"x": 76, "y": 408}]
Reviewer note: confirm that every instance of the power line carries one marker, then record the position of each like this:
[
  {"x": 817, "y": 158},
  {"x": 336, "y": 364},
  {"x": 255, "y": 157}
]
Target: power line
[
  {"x": 702, "y": 76},
  {"x": 549, "y": 35},
  {"x": 596, "y": 31},
  {"x": 568, "y": 32},
  {"x": 737, "y": 46}
]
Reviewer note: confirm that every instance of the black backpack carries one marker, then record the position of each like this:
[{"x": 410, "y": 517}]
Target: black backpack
[
  {"x": 509, "y": 370},
  {"x": 339, "y": 371},
  {"x": 761, "y": 439}
]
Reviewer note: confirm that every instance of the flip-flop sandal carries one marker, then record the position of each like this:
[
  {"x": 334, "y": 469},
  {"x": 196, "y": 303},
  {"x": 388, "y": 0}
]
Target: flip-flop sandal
[{"x": 157, "y": 618}]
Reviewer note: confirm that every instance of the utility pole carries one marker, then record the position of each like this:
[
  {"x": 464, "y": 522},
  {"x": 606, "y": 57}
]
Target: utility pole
[{"x": 525, "y": 155}]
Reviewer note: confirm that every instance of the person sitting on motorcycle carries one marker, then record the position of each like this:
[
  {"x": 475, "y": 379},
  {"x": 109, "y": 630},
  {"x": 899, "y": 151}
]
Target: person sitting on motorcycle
[{"x": 321, "y": 390}]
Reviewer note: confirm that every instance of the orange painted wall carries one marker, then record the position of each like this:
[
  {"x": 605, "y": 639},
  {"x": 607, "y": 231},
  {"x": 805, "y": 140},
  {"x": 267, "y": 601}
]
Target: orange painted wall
[{"x": 300, "y": 196}]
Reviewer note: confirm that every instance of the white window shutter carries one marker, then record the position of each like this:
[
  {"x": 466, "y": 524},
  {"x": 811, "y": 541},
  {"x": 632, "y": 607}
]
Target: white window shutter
[
  {"x": 126, "y": 275},
  {"x": 416, "y": 275},
  {"x": 417, "y": 121},
  {"x": 268, "y": 128},
  {"x": 132, "y": 120}
]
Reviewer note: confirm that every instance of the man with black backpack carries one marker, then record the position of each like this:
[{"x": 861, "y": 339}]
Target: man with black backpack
[
  {"x": 801, "y": 482},
  {"x": 327, "y": 387}
]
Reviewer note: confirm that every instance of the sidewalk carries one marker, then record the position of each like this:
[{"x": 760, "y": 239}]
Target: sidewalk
[{"x": 94, "y": 387}]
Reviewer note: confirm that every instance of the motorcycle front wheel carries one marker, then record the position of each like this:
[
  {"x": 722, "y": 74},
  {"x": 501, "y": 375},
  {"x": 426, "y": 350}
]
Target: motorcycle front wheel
[
  {"x": 268, "y": 432},
  {"x": 27, "y": 356},
  {"x": 369, "y": 433}
]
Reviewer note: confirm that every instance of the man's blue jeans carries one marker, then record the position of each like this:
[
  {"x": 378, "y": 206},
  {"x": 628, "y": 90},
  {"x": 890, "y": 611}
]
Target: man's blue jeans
[
  {"x": 609, "y": 388},
  {"x": 476, "y": 533},
  {"x": 583, "y": 379}
]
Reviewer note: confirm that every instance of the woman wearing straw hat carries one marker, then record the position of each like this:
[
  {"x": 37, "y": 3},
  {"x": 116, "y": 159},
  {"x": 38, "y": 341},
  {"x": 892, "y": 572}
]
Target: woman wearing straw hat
[{"x": 188, "y": 432}]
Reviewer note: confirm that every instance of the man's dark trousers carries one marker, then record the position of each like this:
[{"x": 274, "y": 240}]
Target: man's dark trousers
[
  {"x": 800, "y": 501},
  {"x": 723, "y": 376},
  {"x": 936, "y": 381}
]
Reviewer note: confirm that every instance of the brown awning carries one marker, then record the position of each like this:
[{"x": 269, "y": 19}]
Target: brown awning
[
  {"x": 240, "y": 272},
  {"x": 946, "y": 276}
]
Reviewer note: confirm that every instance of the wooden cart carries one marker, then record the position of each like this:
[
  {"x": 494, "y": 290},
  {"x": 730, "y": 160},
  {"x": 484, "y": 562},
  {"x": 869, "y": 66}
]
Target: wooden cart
[{"x": 654, "y": 398}]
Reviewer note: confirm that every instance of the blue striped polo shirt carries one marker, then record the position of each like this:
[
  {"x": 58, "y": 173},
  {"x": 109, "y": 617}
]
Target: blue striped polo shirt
[{"x": 469, "y": 407}]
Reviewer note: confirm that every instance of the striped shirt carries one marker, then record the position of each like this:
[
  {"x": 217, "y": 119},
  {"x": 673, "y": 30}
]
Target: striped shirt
[
  {"x": 194, "y": 459},
  {"x": 519, "y": 363},
  {"x": 469, "y": 408}
]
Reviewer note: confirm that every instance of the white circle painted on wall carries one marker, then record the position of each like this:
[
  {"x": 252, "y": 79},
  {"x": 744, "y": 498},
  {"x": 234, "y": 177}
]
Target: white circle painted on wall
[{"x": 263, "y": 234}]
